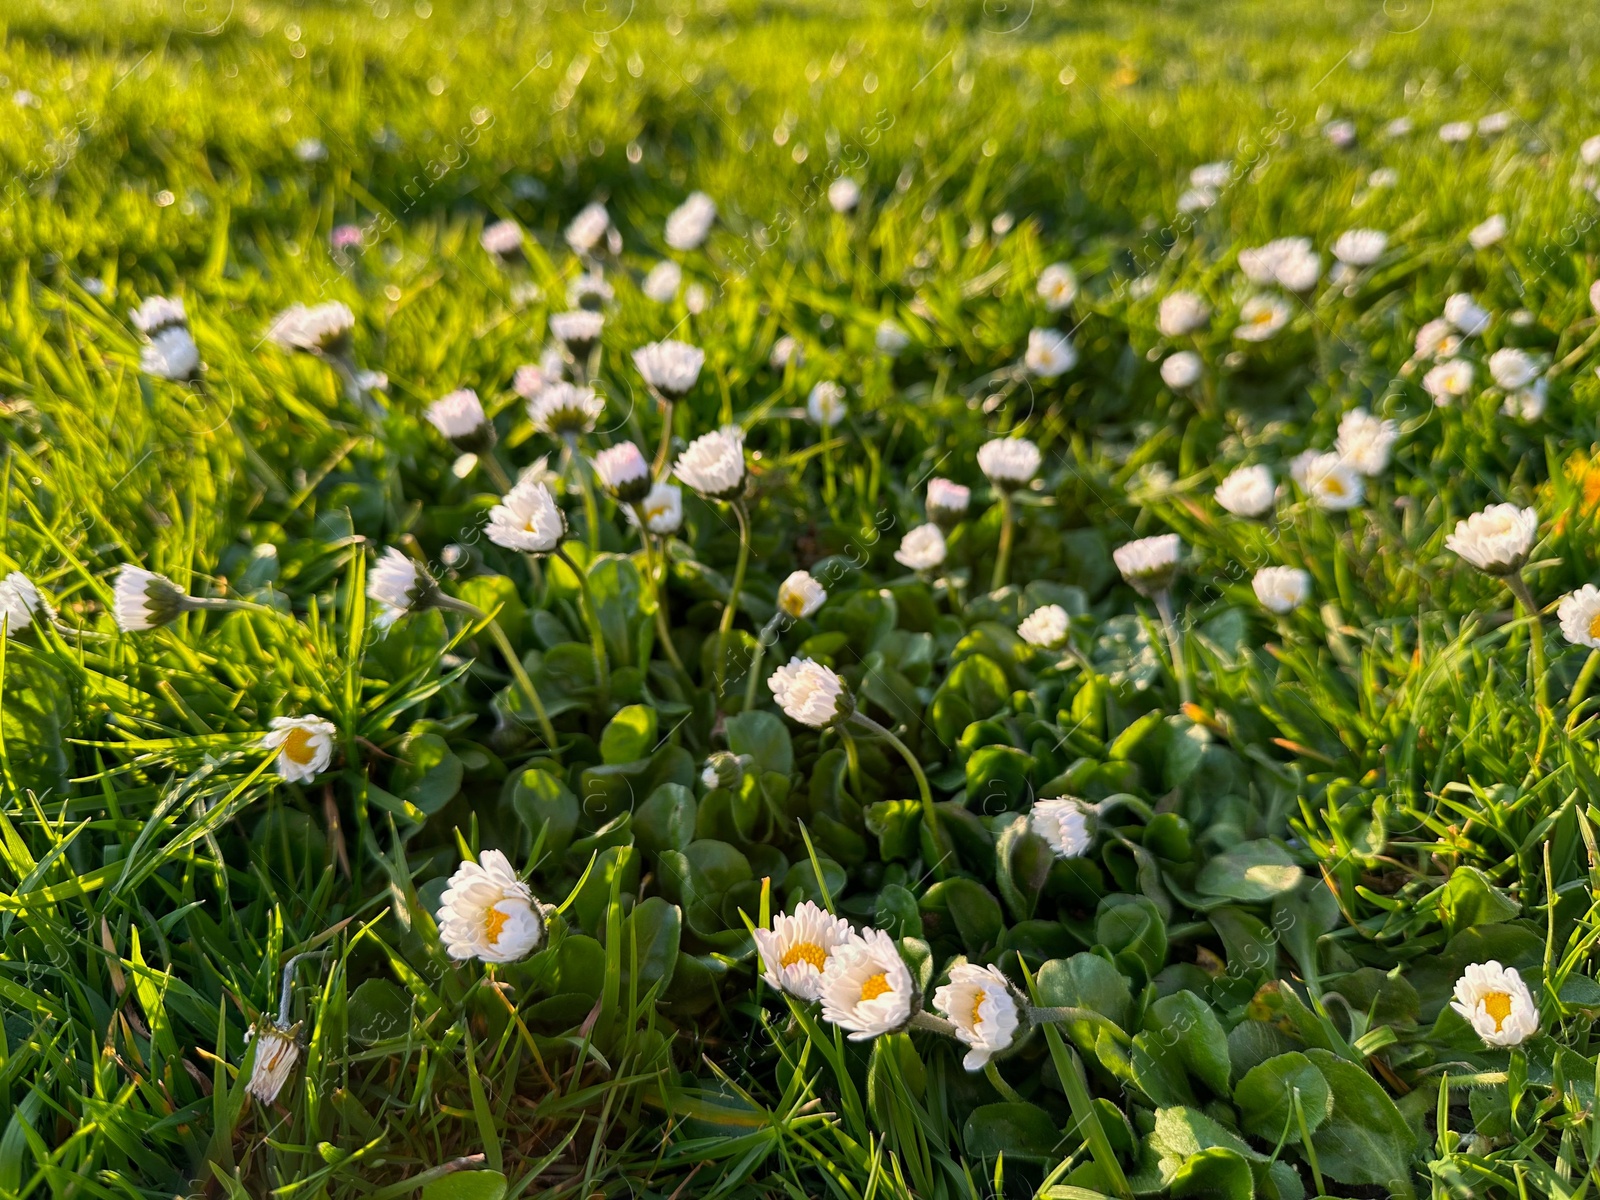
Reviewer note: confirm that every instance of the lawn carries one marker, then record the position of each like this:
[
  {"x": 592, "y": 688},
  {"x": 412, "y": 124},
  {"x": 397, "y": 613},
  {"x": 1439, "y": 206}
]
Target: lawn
[{"x": 1068, "y": 673}]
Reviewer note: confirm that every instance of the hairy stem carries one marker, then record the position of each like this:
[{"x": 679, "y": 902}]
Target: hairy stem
[
  {"x": 1169, "y": 626},
  {"x": 1002, "y": 559},
  {"x": 930, "y": 815},
  {"x": 1538, "y": 676},
  {"x": 591, "y": 615},
  {"x": 728, "y": 613}
]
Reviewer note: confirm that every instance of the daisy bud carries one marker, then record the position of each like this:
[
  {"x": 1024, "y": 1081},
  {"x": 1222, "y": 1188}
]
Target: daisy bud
[
  {"x": 811, "y": 694},
  {"x": 796, "y": 949},
  {"x": 1281, "y": 589},
  {"x": 623, "y": 472},
  {"x": 922, "y": 549},
  {"x": 980, "y": 1003},
  {"x": 487, "y": 913},
  {"x": 1050, "y": 353},
  {"x": 564, "y": 409},
  {"x": 530, "y": 380},
  {"x": 527, "y": 519},
  {"x": 672, "y": 368},
  {"x": 1247, "y": 492},
  {"x": 947, "y": 503},
  {"x": 1063, "y": 824},
  {"x": 663, "y": 281},
  {"x": 277, "y": 1051},
  {"x": 1579, "y": 614},
  {"x": 578, "y": 330},
  {"x": 588, "y": 227},
  {"x": 1149, "y": 564},
  {"x": 320, "y": 329},
  {"x": 713, "y": 464},
  {"x": 1181, "y": 370},
  {"x": 502, "y": 240},
  {"x": 20, "y": 603},
  {"x": 1009, "y": 462},
  {"x": 690, "y": 223},
  {"x": 400, "y": 587},
  {"x": 145, "y": 600},
  {"x": 1181, "y": 313},
  {"x": 1057, "y": 286},
  {"x": 1498, "y": 539},
  {"x": 460, "y": 418},
  {"x": 304, "y": 746},
  {"x": 1360, "y": 247},
  {"x": 1497, "y": 1004},
  {"x": 661, "y": 509},
  {"x": 866, "y": 987},
  {"x": 1045, "y": 627},
  {"x": 800, "y": 596},
  {"x": 723, "y": 770},
  {"x": 825, "y": 406},
  {"x": 1365, "y": 441}
]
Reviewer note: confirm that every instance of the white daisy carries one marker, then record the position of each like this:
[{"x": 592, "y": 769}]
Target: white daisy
[
  {"x": 810, "y": 693},
  {"x": 1149, "y": 564},
  {"x": 399, "y": 587},
  {"x": 1448, "y": 380},
  {"x": 1192, "y": 200},
  {"x": 487, "y": 913},
  {"x": 20, "y": 603},
  {"x": 623, "y": 472},
  {"x": 1046, "y": 627},
  {"x": 1512, "y": 368},
  {"x": 690, "y": 223},
  {"x": 1057, "y": 286},
  {"x": 1181, "y": 313},
  {"x": 588, "y": 227},
  {"x": 1366, "y": 441},
  {"x": 1437, "y": 339},
  {"x": 671, "y": 367},
  {"x": 503, "y": 239},
  {"x": 797, "y": 948},
  {"x": 713, "y": 464},
  {"x": 1493, "y": 123},
  {"x": 662, "y": 509},
  {"x": 1328, "y": 480},
  {"x": 564, "y": 408},
  {"x": 1399, "y": 127},
  {"x": 1527, "y": 404},
  {"x": 577, "y": 330},
  {"x": 1360, "y": 247},
  {"x": 1181, "y": 370},
  {"x": 663, "y": 281},
  {"x": 1050, "y": 353},
  {"x": 866, "y": 987},
  {"x": 799, "y": 596},
  {"x": 1589, "y": 151},
  {"x": 1497, "y": 540},
  {"x": 304, "y": 746},
  {"x": 890, "y": 337},
  {"x": 1262, "y": 317},
  {"x": 922, "y": 549},
  {"x": 277, "y": 1051},
  {"x": 1009, "y": 462},
  {"x": 158, "y": 313},
  {"x": 1497, "y": 1004},
  {"x": 1466, "y": 314},
  {"x": 171, "y": 354},
  {"x": 532, "y": 379},
  {"x": 1281, "y": 589},
  {"x": 1247, "y": 491},
  {"x": 1481, "y": 237},
  {"x": 826, "y": 406},
  {"x": 319, "y": 329},
  {"x": 1063, "y": 824},
  {"x": 947, "y": 502},
  {"x": 459, "y": 416},
  {"x": 527, "y": 519},
  {"x": 979, "y": 1002},
  {"x": 145, "y": 600},
  {"x": 1579, "y": 614},
  {"x": 844, "y": 194},
  {"x": 1212, "y": 175},
  {"x": 785, "y": 350},
  {"x": 1453, "y": 132},
  {"x": 590, "y": 290}
]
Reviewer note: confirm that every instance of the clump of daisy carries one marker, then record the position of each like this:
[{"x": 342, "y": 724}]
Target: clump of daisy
[
  {"x": 1064, "y": 825},
  {"x": 866, "y": 986},
  {"x": 797, "y": 948},
  {"x": 1149, "y": 565},
  {"x": 986, "y": 1013},
  {"x": 690, "y": 223},
  {"x": 304, "y": 746},
  {"x": 1247, "y": 492},
  {"x": 1496, "y": 1002},
  {"x": 487, "y": 913},
  {"x": 1057, "y": 286},
  {"x": 1281, "y": 590}
]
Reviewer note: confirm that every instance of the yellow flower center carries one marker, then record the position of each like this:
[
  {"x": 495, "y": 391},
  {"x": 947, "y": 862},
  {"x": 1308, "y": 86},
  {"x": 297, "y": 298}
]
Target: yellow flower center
[
  {"x": 804, "y": 952},
  {"x": 653, "y": 511},
  {"x": 1333, "y": 485},
  {"x": 792, "y": 603},
  {"x": 1594, "y": 626},
  {"x": 977, "y": 1003},
  {"x": 874, "y": 986},
  {"x": 494, "y": 922},
  {"x": 1264, "y": 317},
  {"x": 297, "y": 747},
  {"x": 1498, "y": 1006}
]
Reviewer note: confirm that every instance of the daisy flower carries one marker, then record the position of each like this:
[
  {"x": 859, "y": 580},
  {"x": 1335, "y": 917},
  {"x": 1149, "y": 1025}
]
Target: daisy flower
[
  {"x": 1497, "y": 1004},
  {"x": 487, "y": 913},
  {"x": 979, "y": 1002},
  {"x": 304, "y": 746},
  {"x": 810, "y": 693},
  {"x": 866, "y": 987},
  {"x": 797, "y": 948}
]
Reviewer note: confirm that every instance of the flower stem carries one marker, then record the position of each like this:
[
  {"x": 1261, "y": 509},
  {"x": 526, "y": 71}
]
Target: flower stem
[
  {"x": 1580, "y": 689},
  {"x": 1536, "y": 666},
  {"x": 591, "y": 512},
  {"x": 1163, "y": 602},
  {"x": 728, "y": 612},
  {"x": 753, "y": 676},
  {"x": 497, "y": 470},
  {"x": 1007, "y": 1092},
  {"x": 930, "y": 815},
  {"x": 657, "y": 591},
  {"x": 1041, "y": 1016},
  {"x": 597, "y": 641},
  {"x": 518, "y": 673},
  {"x": 664, "y": 450},
  {"x": 1002, "y": 560}
]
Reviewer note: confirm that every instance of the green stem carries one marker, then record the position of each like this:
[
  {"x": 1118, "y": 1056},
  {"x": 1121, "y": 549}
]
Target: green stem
[
  {"x": 1007, "y": 1092},
  {"x": 591, "y": 511},
  {"x": 1163, "y": 602},
  {"x": 1580, "y": 689},
  {"x": 1002, "y": 561},
  {"x": 754, "y": 674},
  {"x": 657, "y": 591},
  {"x": 1042, "y": 1016},
  {"x": 497, "y": 471},
  {"x": 521, "y": 676},
  {"x": 597, "y": 641},
  {"x": 1536, "y": 665},
  {"x": 728, "y": 613},
  {"x": 852, "y": 759},
  {"x": 664, "y": 450},
  {"x": 930, "y": 815}
]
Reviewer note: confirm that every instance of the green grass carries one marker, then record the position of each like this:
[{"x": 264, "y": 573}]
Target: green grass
[{"x": 155, "y": 874}]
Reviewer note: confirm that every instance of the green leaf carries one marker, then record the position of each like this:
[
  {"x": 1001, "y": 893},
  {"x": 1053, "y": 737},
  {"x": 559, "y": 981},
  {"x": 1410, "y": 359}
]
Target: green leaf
[
  {"x": 1364, "y": 1140},
  {"x": 764, "y": 738},
  {"x": 378, "y": 1011},
  {"x": 466, "y": 1185},
  {"x": 654, "y": 931},
  {"x": 1216, "y": 1173},
  {"x": 666, "y": 820},
  {"x": 428, "y": 774},
  {"x": 964, "y": 911},
  {"x": 1184, "y": 1027},
  {"x": 1016, "y": 1130},
  {"x": 1251, "y": 872},
  {"x": 1265, "y": 1097},
  {"x": 629, "y": 736},
  {"x": 542, "y": 802},
  {"x": 1469, "y": 899}
]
